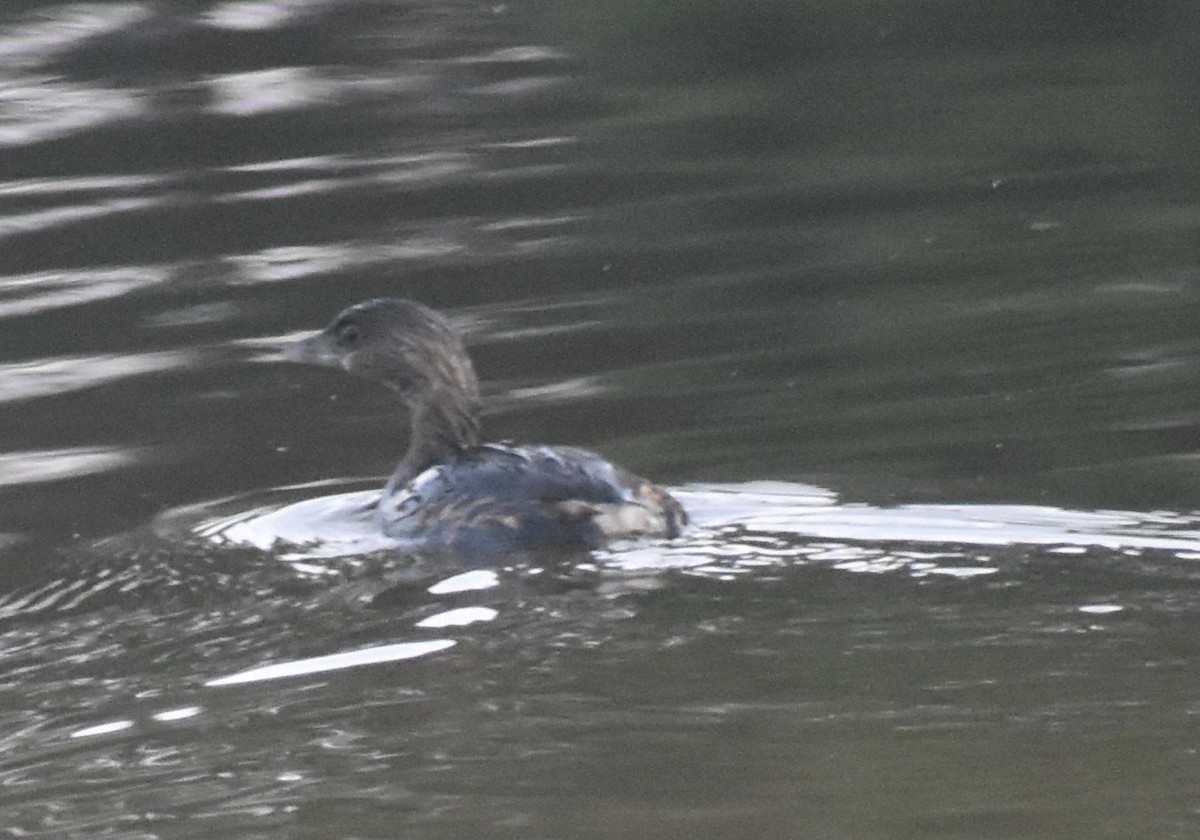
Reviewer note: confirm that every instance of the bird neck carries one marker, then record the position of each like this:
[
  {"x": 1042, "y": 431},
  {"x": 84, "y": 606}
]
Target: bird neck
[{"x": 444, "y": 426}]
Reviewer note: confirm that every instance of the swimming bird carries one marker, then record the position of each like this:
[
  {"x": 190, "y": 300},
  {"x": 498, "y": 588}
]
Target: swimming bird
[{"x": 451, "y": 490}]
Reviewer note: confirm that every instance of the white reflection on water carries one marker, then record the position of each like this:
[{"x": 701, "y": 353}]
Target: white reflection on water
[
  {"x": 987, "y": 525},
  {"x": 38, "y": 108},
  {"x": 62, "y": 374},
  {"x": 386, "y": 169},
  {"x": 177, "y": 714},
  {"x": 60, "y": 28},
  {"x": 745, "y": 528},
  {"x": 326, "y": 526},
  {"x": 515, "y": 55},
  {"x": 34, "y": 465},
  {"x": 460, "y": 617},
  {"x": 103, "y": 729},
  {"x": 113, "y": 726},
  {"x": 190, "y": 316},
  {"x": 293, "y": 189},
  {"x": 317, "y": 163},
  {"x": 253, "y": 15},
  {"x": 275, "y": 89},
  {"x": 26, "y": 294},
  {"x": 466, "y": 582},
  {"x": 1100, "y": 609},
  {"x": 79, "y": 184},
  {"x": 335, "y": 662},
  {"x": 39, "y": 220},
  {"x": 273, "y": 265}
]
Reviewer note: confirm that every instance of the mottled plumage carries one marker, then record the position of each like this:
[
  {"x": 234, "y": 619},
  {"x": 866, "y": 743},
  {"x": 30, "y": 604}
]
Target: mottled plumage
[{"x": 451, "y": 491}]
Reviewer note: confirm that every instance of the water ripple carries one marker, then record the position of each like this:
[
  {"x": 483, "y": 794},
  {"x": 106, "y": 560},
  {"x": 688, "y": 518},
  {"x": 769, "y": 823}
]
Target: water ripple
[
  {"x": 60, "y": 29},
  {"x": 36, "y": 465},
  {"x": 40, "y": 220},
  {"x": 254, "y": 15},
  {"x": 78, "y": 184},
  {"x": 34, "y": 109},
  {"x": 62, "y": 374},
  {"x": 274, "y": 89},
  {"x": 27, "y": 294},
  {"x": 335, "y": 662}
]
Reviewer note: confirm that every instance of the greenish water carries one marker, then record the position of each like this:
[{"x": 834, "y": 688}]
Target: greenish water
[{"x": 900, "y": 298}]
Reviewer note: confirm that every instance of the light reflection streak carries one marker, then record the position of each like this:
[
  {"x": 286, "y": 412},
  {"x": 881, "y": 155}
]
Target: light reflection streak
[
  {"x": 414, "y": 167},
  {"x": 347, "y": 176},
  {"x": 103, "y": 729},
  {"x": 460, "y": 617},
  {"x": 321, "y": 163},
  {"x": 253, "y": 15},
  {"x": 61, "y": 28},
  {"x": 759, "y": 508},
  {"x": 335, "y": 662},
  {"x": 122, "y": 725},
  {"x": 69, "y": 288},
  {"x": 63, "y": 374},
  {"x": 515, "y": 55},
  {"x": 41, "y": 220},
  {"x": 466, "y": 582},
  {"x": 83, "y": 183},
  {"x": 38, "y": 465},
  {"x": 42, "y": 108},
  {"x": 292, "y": 262},
  {"x": 276, "y": 89},
  {"x": 562, "y": 391},
  {"x": 294, "y": 189},
  {"x": 177, "y": 714},
  {"x": 534, "y": 143},
  {"x": 1100, "y": 609}
]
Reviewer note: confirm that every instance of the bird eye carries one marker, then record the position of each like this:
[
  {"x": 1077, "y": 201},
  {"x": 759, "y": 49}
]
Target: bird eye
[{"x": 349, "y": 336}]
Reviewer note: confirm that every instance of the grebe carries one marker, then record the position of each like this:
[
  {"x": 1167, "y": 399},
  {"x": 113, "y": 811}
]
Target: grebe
[{"x": 450, "y": 490}]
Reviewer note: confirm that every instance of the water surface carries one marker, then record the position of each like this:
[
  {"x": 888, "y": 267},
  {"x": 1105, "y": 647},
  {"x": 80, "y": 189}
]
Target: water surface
[{"x": 900, "y": 299}]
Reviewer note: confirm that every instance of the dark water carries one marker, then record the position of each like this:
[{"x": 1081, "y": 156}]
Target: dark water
[{"x": 900, "y": 298}]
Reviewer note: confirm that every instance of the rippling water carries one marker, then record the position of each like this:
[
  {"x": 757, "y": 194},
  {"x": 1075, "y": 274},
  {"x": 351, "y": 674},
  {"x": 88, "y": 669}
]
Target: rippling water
[{"x": 900, "y": 299}]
